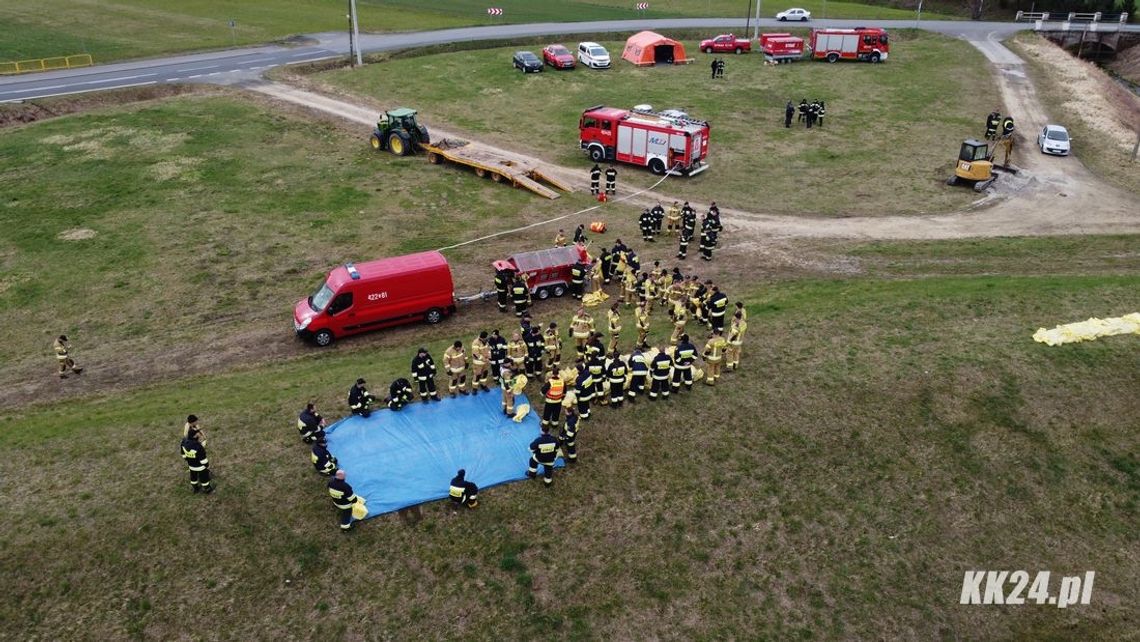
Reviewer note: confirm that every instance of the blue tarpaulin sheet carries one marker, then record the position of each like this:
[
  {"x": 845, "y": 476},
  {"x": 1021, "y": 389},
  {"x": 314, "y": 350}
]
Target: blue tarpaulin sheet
[{"x": 400, "y": 459}]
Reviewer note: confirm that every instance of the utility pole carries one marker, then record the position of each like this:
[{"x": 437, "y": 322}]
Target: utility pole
[
  {"x": 353, "y": 35},
  {"x": 756, "y": 28},
  {"x": 747, "y": 18},
  {"x": 918, "y": 18}
]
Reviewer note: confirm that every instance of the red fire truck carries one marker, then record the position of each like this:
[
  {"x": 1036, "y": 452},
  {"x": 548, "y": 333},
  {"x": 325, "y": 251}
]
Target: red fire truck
[
  {"x": 547, "y": 271},
  {"x": 662, "y": 142},
  {"x": 861, "y": 43},
  {"x": 781, "y": 47}
]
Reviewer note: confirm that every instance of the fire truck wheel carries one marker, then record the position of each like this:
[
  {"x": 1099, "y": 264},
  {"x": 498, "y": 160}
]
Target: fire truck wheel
[
  {"x": 434, "y": 316},
  {"x": 875, "y": 57},
  {"x": 542, "y": 294},
  {"x": 657, "y": 166},
  {"x": 559, "y": 290},
  {"x": 323, "y": 338},
  {"x": 832, "y": 57},
  {"x": 597, "y": 154}
]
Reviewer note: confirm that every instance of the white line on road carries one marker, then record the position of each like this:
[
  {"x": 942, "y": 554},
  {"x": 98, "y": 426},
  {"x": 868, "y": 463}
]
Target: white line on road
[
  {"x": 201, "y": 68},
  {"x": 195, "y": 76},
  {"x": 301, "y": 62},
  {"x": 77, "y": 84},
  {"x": 83, "y": 91},
  {"x": 214, "y": 74},
  {"x": 259, "y": 60}
]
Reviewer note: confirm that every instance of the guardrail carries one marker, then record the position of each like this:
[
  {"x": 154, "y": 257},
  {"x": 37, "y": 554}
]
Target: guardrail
[
  {"x": 45, "y": 64},
  {"x": 1045, "y": 16}
]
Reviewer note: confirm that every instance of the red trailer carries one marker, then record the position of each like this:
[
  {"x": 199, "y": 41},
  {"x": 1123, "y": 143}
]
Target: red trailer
[
  {"x": 781, "y": 47},
  {"x": 861, "y": 43},
  {"x": 661, "y": 142},
  {"x": 547, "y": 271}
]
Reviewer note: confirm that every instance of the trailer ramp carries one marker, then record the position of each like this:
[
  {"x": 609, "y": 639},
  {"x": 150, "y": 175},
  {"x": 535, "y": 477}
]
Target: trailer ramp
[{"x": 500, "y": 166}]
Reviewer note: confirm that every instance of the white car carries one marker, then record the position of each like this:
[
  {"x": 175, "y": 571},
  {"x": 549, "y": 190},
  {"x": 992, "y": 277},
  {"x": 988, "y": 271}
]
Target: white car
[
  {"x": 803, "y": 15},
  {"x": 593, "y": 55},
  {"x": 1054, "y": 139}
]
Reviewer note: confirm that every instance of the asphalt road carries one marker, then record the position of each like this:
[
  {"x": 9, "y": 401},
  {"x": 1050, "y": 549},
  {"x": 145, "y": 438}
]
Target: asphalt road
[{"x": 245, "y": 64}]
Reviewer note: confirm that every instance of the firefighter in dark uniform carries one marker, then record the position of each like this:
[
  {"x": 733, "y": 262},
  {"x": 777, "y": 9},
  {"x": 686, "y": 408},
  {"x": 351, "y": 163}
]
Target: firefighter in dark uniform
[
  {"x": 520, "y": 295},
  {"x": 423, "y": 369},
  {"x": 712, "y": 219},
  {"x": 607, "y": 261},
  {"x": 359, "y": 399},
  {"x": 812, "y": 111},
  {"x": 639, "y": 374},
  {"x": 992, "y": 123},
  {"x": 568, "y": 438},
  {"x": 343, "y": 498},
  {"x": 577, "y": 279},
  {"x": 553, "y": 391},
  {"x": 789, "y": 112},
  {"x": 683, "y": 357},
  {"x": 708, "y": 243},
  {"x": 658, "y": 213},
  {"x": 659, "y": 370},
  {"x": 822, "y": 112},
  {"x": 615, "y": 372},
  {"x": 611, "y": 180},
  {"x": 463, "y": 492},
  {"x": 543, "y": 452},
  {"x": 503, "y": 287},
  {"x": 803, "y": 110},
  {"x": 595, "y": 179},
  {"x": 584, "y": 390},
  {"x": 399, "y": 394},
  {"x": 596, "y": 362},
  {"x": 323, "y": 461},
  {"x": 498, "y": 347},
  {"x": 580, "y": 233},
  {"x": 645, "y": 222},
  {"x": 535, "y": 349},
  {"x": 688, "y": 228},
  {"x": 717, "y": 307},
  {"x": 311, "y": 424},
  {"x": 195, "y": 455},
  {"x": 1007, "y": 127}
]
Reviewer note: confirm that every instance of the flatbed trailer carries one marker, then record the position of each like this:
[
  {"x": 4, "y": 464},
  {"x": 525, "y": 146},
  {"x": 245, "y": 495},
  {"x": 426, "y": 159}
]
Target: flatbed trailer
[{"x": 488, "y": 162}]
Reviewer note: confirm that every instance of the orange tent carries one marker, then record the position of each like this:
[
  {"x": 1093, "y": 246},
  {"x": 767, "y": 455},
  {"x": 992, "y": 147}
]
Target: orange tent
[{"x": 647, "y": 48}]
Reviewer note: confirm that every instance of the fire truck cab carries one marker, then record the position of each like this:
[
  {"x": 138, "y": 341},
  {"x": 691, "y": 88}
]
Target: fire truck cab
[{"x": 663, "y": 143}]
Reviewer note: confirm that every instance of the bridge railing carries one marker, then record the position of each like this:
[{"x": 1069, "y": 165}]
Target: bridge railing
[
  {"x": 1045, "y": 16},
  {"x": 45, "y": 64}
]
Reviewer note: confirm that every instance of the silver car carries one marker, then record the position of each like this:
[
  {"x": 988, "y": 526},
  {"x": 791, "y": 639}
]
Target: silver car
[{"x": 1054, "y": 139}]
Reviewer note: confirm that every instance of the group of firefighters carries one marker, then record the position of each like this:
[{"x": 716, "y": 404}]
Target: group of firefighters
[
  {"x": 682, "y": 220},
  {"x": 994, "y": 122},
  {"x": 810, "y": 113}
]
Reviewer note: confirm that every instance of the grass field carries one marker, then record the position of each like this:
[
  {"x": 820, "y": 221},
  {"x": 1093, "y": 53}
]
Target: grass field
[
  {"x": 877, "y": 154},
  {"x": 887, "y": 431},
  {"x": 116, "y": 29}
]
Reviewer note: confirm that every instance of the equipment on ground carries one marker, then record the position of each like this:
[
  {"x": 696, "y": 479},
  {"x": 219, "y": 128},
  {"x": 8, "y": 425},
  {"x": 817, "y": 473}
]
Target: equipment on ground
[
  {"x": 547, "y": 271},
  {"x": 398, "y": 132},
  {"x": 869, "y": 44},
  {"x": 598, "y": 227},
  {"x": 976, "y": 163},
  {"x": 650, "y": 139}
]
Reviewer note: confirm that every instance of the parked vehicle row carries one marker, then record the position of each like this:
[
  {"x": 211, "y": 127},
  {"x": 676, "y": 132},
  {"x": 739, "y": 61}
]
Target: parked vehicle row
[{"x": 590, "y": 54}]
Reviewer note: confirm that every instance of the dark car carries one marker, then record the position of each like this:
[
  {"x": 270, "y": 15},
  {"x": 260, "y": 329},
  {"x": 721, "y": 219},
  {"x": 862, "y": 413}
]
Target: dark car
[
  {"x": 527, "y": 62},
  {"x": 558, "y": 57}
]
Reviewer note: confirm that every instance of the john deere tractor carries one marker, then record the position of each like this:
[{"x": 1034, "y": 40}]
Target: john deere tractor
[{"x": 398, "y": 132}]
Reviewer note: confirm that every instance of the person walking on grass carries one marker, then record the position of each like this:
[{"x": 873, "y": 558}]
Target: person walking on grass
[{"x": 194, "y": 453}]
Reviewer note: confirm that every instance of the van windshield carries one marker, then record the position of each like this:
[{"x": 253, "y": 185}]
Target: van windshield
[{"x": 321, "y": 298}]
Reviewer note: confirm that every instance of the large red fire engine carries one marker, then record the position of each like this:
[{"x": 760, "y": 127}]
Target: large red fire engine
[
  {"x": 861, "y": 43},
  {"x": 660, "y": 141}
]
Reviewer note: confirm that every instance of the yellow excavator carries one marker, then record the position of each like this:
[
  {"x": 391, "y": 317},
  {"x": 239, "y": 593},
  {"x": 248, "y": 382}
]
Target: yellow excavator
[{"x": 976, "y": 163}]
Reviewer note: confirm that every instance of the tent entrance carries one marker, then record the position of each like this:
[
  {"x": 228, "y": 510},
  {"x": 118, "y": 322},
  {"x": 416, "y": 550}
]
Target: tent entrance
[{"x": 663, "y": 54}]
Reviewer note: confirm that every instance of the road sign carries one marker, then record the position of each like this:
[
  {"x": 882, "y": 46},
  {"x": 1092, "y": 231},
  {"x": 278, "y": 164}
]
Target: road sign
[{"x": 494, "y": 11}]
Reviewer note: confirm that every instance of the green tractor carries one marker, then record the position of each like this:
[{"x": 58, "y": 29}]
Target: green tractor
[{"x": 398, "y": 132}]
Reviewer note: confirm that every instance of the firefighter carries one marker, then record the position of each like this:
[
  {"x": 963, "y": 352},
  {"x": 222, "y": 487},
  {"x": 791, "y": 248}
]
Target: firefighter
[
  {"x": 680, "y": 316},
  {"x": 516, "y": 353},
  {"x": 720, "y": 68},
  {"x": 552, "y": 344},
  {"x": 535, "y": 346},
  {"x": 611, "y": 180},
  {"x": 629, "y": 287},
  {"x": 688, "y": 228},
  {"x": 498, "y": 346},
  {"x": 822, "y": 112},
  {"x": 687, "y": 210},
  {"x": 658, "y": 213},
  {"x": 503, "y": 287},
  {"x": 577, "y": 280},
  {"x": 310, "y": 423},
  {"x": 455, "y": 361},
  {"x": 683, "y": 357},
  {"x": 659, "y": 370},
  {"x": 789, "y": 112},
  {"x": 423, "y": 369},
  {"x": 463, "y": 492},
  {"x": 520, "y": 294},
  {"x": 343, "y": 498},
  {"x": 616, "y": 370},
  {"x": 399, "y": 394},
  {"x": 992, "y": 122},
  {"x": 639, "y": 374},
  {"x": 1007, "y": 126},
  {"x": 714, "y": 355},
  {"x": 359, "y": 399},
  {"x": 195, "y": 455},
  {"x": 62, "y": 349},
  {"x": 712, "y": 219},
  {"x": 553, "y": 391},
  {"x": 673, "y": 219},
  {"x": 648, "y": 292},
  {"x": 812, "y": 110},
  {"x": 596, "y": 363},
  {"x": 607, "y": 265},
  {"x": 583, "y": 390},
  {"x": 642, "y": 316},
  {"x": 740, "y": 311},
  {"x": 580, "y": 234},
  {"x": 596, "y": 276},
  {"x": 614, "y": 318},
  {"x": 735, "y": 341},
  {"x": 595, "y": 182},
  {"x": 664, "y": 282},
  {"x": 697, "y": 303},
  {"x": 645, "y": 221},
  {"x": 580, "y": 328},
  {"x": 713, "y": 67},
  {"x": 803, "y": 110},
  {"x": 717, "y": 307},
  {"x": 708, "y": 244},
  {"x": 480, "y": 358},
  {"x": 543, "y": 452},
  {"x": 560, "y": 238},
  {"x": 568, "y": 438},
  {"x": 507, "y": 382},
  {"x": 323, "y": 461}
]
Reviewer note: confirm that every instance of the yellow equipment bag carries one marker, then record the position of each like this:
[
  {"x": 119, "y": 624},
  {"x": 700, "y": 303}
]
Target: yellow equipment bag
[
  {"x": 598, "y": 227},
  {"x": 522, "y": 412},
  {"x": 359, "y": 510}
]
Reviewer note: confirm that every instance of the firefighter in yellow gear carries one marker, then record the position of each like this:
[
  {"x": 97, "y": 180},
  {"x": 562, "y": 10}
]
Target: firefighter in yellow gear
[
  {"x": 507, "y": 383},
  {"x": 672, "y": 219},
  {"x": 741, "y": 311},
  {"x": 664, "y": 281},
  {"x": 596, "y": 276},
  {"x": 629, "y": 287},
  {"x": 455, "y": 361},
  {"x": 560, "y": 239},
  {"x": 63, "y": 356},
  {"x": 553, "y": 391},
  {"x": 614, "y": 318},
  {"x": 676, "y": 293},
  {"x": 649, "y": 290},
  {"x": 553, "y": 345},
  {"x": 581, "y": 326},
  {"x": 516, "y": 353},
  {"x": 480, "y": 361},
  {"x": 735, "y": 341},
  {"x": 714, "y": 357},
  {"x": 642, "y": 316},
  {"x": 680, "y": 317}
]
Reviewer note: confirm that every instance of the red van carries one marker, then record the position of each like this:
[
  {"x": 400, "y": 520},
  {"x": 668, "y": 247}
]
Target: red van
[{"x": 360, "y": 297}]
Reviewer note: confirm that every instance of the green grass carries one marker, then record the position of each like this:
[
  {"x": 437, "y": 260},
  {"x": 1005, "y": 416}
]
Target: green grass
[
  {"x": 116, "y": 29},
  {"x": 877, "y": 154}
]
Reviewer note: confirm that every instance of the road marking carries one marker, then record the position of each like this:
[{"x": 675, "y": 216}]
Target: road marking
[
  {"x": 214, "y": 74},
  {"x": 195, "y": 76},
  {"x": 200, "y": 68},
  {"x": 301, "y": 62},
  {"x": 83, "y": 91},
  {"x": 77, "y": 84},
  {"x": 259, "y": 60},
  {"x": 303, "y": 53}
]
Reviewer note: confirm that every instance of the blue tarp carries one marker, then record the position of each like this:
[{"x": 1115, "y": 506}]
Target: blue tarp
[{"x": 400, "y": 459}]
